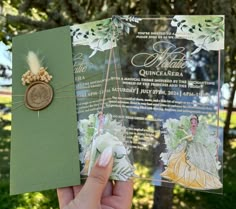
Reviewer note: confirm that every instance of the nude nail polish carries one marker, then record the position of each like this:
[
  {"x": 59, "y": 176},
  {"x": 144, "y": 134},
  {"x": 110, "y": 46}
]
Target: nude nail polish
[{"x": 105, "y": 157}]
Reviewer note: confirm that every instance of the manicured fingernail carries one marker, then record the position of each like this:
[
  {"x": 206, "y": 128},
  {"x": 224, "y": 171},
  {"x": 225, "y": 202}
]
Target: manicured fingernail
[{"x": 105, "y": 157}]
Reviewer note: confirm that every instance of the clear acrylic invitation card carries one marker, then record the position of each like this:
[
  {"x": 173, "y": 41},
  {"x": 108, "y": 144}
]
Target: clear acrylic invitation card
[
  {"x": 172, "y": 70},
  {"x": 149, "y": 87}
]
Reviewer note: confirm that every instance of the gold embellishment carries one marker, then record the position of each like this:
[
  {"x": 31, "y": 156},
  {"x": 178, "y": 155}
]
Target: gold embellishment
[
  {"x": 42, "y": 75},
  {"x": 39, "y": 93}
]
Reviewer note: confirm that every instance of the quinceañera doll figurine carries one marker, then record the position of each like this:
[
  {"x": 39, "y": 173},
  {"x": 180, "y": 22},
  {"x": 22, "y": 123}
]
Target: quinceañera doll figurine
[{"x": 191, "y": 160}]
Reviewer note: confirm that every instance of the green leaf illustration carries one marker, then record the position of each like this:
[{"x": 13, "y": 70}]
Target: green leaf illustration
[
  {"x": 104, "y": 41},
  {"x": 191, "y": 30},
  {"x": 217, "y": 37},
  {"x": 217, "y": 20},
  {"x": 211, "y": 40},
  {"x": 175, "y": 20},
  {"x": 126, "y": 29},
  {"x": 201, "y": 37},
  {"x": 183, "y": 26},
  {"x": 95, "y": 40},
  {"x": 221, "y": 33},
  {"x": 210, "y": 31}
]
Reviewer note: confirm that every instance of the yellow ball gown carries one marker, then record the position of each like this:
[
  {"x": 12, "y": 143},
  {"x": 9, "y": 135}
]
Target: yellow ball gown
[{"x": 192, "y": 166}]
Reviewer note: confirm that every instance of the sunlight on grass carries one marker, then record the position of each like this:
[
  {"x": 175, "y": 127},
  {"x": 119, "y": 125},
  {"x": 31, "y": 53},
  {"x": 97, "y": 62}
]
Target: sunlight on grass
[
  {"x": 7, "y": 128},
  {"x": 33, "y": 200},
  {"x": 212, "y": 119},
  {"x": 6, "y": 116},
  {"x": 5, "y": 100},
  {"x": 233, "y": 143},
  {"x": 223, "y": 115},
  {"x": 143, "y": 190}
]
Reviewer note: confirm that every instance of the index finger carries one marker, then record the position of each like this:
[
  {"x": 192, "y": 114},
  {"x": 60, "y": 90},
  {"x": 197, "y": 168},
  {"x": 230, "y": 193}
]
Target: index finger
[
  {"x": 65, "y": 195},
  {"x": 123, "y": 189},
  {"x": 121, "y": 196}
]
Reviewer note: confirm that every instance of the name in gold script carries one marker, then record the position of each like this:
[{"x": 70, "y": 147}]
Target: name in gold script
[
  {"x": 79, "y": 63},
  {"x": 166, "y": 55}
]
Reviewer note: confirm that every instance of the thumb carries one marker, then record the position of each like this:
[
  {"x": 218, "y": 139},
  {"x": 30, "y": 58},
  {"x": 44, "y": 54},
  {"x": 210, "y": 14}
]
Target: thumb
[{"x": 98, "y": 177}]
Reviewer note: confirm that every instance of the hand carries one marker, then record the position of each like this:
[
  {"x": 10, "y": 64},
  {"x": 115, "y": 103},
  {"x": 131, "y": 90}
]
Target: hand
[{"x": 98, "y": 192}]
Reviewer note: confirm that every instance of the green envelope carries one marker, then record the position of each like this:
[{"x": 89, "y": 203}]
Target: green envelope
[{"x": 44, "y": 144}]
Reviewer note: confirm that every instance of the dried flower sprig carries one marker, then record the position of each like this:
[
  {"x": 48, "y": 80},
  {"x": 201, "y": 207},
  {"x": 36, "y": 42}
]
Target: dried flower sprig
[
  {"x": 42, "y": 75},
  {"x": 36, "y": 71}
]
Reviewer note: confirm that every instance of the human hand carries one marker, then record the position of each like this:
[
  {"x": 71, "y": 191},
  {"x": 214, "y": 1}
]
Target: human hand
[{"x": 98, "y": 192}]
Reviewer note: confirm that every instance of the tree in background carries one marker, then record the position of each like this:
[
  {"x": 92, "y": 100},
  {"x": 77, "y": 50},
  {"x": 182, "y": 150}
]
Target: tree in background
[{"x": 25, "y": 16}]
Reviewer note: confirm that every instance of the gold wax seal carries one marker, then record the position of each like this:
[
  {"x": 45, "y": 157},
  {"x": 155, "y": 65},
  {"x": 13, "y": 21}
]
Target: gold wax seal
[{"x": 38, "y": 95}]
